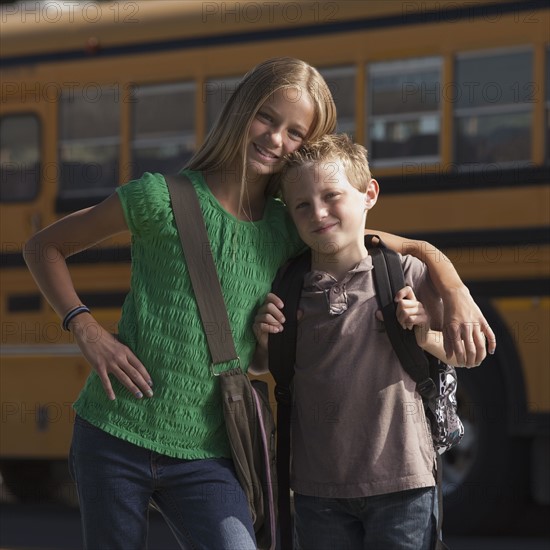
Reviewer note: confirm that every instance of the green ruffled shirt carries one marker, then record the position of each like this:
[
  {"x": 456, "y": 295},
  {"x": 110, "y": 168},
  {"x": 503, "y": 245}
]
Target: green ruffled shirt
[{"x": 160, "y": 321}]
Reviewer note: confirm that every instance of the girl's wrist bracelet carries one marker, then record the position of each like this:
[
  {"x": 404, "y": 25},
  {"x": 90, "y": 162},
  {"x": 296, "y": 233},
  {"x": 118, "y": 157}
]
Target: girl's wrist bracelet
[{"x": 72, "y": 314}]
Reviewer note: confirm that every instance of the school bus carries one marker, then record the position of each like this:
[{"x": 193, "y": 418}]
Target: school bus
[{"x": 452, "y": 100}]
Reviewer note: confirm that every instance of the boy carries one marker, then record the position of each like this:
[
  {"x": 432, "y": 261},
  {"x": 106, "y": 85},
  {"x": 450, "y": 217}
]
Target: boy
[{"x": 363, "y": 461}]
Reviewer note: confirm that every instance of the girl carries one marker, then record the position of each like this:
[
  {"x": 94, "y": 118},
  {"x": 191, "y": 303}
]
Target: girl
[{"x": 149, "y": 424}]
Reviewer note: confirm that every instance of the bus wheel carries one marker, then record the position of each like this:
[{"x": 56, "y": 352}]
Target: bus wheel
[
  {"x": 38, "y": 481},
  {"x": 485, "y": 476}
]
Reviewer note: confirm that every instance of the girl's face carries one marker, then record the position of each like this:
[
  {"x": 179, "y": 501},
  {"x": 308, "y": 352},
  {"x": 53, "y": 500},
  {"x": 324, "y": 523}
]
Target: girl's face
[{"x": 279, "y": 127}]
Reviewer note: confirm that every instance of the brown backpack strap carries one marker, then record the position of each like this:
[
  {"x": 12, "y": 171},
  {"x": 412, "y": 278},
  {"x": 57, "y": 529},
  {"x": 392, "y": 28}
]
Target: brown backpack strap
[{"x": 201, "y": 267}]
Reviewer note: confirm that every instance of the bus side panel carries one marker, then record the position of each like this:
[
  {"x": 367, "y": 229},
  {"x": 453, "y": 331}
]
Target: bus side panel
[{"x": 36, "y": 393}]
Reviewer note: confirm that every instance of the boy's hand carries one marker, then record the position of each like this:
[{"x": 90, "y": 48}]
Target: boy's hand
[
  {"x": 269, "y": 319},
  {"x": 410, "y": 312}
]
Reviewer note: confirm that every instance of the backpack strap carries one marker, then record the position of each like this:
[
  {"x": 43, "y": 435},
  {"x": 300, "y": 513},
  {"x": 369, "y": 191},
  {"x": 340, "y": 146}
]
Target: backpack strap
[
  {"x": 388, "y": 280},
  {"x": 202, "y": 270},
  {"x": 282, "y": 357}
]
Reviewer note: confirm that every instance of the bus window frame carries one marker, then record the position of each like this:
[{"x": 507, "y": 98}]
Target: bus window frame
[
  {"x": 40, "y": 141},
  {"x": 185, "y": 139},
  {"x": 85, "y": 195},
  {"x": 209, "y": 124},
  {"x": 390, "y": 66},
  {"x": 328, "y": 71},
  {"x": 508, "y": 108}
]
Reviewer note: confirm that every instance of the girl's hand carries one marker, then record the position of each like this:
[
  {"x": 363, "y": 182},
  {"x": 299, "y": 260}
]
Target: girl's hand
[
  {"x": 108, "y": 356},
  {"x": 269, "y": 319},
  {"x": 465, "y": 329}
]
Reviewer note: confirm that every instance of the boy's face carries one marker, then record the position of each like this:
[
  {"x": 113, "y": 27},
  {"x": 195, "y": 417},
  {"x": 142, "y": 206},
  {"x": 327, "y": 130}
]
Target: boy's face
[{"x": 329, "y": 212}]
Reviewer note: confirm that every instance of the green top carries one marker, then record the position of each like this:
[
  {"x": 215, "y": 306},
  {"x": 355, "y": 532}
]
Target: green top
[{"x": 160, "y": 321}]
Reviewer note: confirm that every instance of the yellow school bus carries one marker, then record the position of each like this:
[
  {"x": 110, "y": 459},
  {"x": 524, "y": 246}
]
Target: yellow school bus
[{"x": 452, "y": 100}]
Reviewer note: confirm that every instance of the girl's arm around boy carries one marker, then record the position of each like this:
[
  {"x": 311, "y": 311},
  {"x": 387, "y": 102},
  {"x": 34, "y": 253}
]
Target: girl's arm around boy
[{"x": 467, "y": 340}]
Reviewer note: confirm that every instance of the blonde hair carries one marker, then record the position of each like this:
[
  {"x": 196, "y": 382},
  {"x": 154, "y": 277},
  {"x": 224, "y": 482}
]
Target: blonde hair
[
  {"x": 335, "y": 147},
  {"x": 226, "y": 141}
]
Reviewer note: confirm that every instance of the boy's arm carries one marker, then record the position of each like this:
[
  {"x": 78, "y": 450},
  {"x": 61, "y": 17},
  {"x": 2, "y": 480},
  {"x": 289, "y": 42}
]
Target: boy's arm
[
  {"x": 269, "y": 319},
  {"x": 465, "y": 329},
  {"x": 432, "y": 342},
  {"x": 259, "y": 364},
  {"x": 411, "y": 314}
]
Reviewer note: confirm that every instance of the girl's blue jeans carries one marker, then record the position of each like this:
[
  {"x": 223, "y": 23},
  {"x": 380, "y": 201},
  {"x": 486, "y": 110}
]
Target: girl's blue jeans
[
  {"x": 405, "y": 520},
  {"x": 201, "y": 500}
]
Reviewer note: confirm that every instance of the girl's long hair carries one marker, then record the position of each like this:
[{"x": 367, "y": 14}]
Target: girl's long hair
[{"x": 226, "y": 142}]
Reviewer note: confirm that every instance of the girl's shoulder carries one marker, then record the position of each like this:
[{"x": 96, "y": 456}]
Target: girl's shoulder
[
  {"x": 147, "y": 187},
  {"x": 145, "y": 202}
]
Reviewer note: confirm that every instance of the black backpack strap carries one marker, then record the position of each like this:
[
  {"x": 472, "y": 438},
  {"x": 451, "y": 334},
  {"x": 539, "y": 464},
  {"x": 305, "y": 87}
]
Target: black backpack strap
[
  {"x": 282, "y": 357},
  {"x": 439, "y": 544},
  {"x": 388, "y": 280}
]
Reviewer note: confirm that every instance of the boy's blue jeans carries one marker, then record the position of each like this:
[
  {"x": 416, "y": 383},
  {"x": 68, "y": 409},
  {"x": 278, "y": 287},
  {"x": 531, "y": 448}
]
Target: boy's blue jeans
[
  {"x": 396, "y": 521},
  {"x": 201, "y": 500}
]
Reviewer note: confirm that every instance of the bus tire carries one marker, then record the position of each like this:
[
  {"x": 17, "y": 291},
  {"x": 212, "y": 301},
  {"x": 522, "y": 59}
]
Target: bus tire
[
  {"x": 485, "y": 476},
  {"x": 33, "y": 481}
]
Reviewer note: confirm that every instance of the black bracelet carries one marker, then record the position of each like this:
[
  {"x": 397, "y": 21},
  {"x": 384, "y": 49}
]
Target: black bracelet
[{"x": 72, "y": 314}]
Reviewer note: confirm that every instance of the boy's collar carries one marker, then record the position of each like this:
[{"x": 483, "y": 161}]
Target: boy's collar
[{"x": 321, "y": 279}]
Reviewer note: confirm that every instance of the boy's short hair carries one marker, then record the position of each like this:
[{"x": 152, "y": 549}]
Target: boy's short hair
[{"x": 331, "y": 147}]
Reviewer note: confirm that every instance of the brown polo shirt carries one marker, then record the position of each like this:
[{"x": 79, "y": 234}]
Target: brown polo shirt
[{"x": 359, "y": 428}]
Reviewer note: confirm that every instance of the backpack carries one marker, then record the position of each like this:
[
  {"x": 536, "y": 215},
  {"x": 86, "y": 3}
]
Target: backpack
[{"x": 436, "y": 382}]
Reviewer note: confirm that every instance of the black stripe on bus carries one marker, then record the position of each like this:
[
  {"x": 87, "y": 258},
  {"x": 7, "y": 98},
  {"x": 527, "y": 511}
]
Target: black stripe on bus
[
  {"x": 504, "y": 288},
  {"x": 24, "y": 303},
  {"x": 115, "y": 255},
  {"x": 103, "y": 299},
  {"x": 419, "y": 178},
  {"x": 18, "y": 303},
  {"x": 503, "y": 238},
  {"x": 474, "y": 11},
  {"x": 72, "y": 204}
]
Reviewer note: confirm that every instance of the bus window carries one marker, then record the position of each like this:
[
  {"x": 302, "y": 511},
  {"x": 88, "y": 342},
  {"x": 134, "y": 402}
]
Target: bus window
[
  {"x": 341, "y": 81},
  {"x": 89, "y": 140},
  {"x": 404, "y": 114},
  {"x": 19, "y": 157},
  {"x": 216, "y": 92},
  {"x": 494, "y": 103},
  {"x": 163, "y": 127}
]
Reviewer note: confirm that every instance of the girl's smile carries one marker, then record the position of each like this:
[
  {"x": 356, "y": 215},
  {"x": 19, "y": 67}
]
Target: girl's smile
[
  {"x": 264, "y": 153},
  {"x": 280, "y": 126}
]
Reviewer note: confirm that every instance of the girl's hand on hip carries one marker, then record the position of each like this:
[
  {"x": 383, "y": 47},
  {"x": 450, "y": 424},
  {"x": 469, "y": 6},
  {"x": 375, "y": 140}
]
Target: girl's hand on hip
[{"x": 108, "y": 356}]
